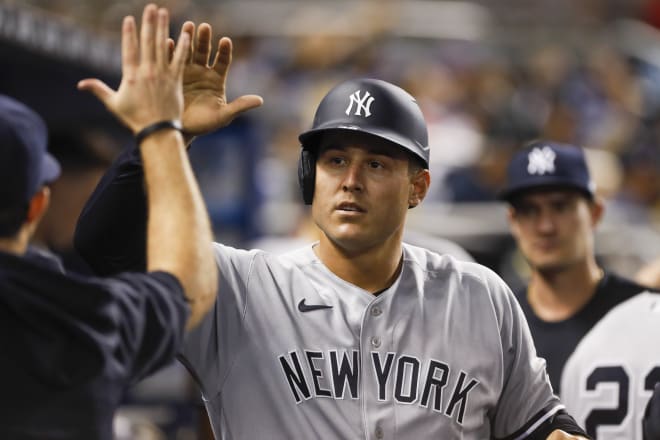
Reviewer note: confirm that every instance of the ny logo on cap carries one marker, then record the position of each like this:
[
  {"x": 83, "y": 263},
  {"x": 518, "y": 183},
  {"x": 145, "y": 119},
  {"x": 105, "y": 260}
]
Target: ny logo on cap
[
  {"x": 361, "y": 103},
  {"x": 541, "y": 161}
]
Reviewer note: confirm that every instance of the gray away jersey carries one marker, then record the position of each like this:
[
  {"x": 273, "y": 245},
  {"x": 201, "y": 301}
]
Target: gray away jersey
[
  {"x": 609, "y": 378},
  {"x": 291, "y": 351}
]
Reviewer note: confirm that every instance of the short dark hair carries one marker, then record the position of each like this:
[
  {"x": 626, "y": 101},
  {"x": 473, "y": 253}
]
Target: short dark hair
[
  {"x": 415, "y": 164},
  {"x": 11, "y": 220}
]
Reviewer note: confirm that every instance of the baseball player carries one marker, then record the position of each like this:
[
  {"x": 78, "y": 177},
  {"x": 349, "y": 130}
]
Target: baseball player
[
  {"x": 72, "y": 344},
  {"x": 357, "y": 335},
  {"x": 612, "y": 372},
  {"x": 553, "y": 211}
]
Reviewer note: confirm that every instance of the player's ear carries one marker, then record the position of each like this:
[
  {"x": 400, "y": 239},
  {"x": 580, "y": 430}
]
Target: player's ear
[
  {"x": 38, "y": 205},
  {"x": 420, "y": 180},
  {"x": 597, "y": 208}
]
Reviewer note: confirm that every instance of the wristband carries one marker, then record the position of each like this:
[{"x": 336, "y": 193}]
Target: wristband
[{"x": 150, "y": 129}]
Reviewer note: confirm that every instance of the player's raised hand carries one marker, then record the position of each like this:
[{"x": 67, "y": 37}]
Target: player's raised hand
[
  {"x": 151, "y": 84},
  {"x": 204, "y": 84}
]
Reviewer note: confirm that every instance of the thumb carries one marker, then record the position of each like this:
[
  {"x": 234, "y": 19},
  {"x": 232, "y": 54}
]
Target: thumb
[
  {"x": 245, "y": 103},
  {"x": 98, "y": 88}
]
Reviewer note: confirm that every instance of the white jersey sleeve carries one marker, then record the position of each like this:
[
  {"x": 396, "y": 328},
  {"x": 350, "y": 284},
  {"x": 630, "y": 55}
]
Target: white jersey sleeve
[
  {"x": 609, "y": 378},
  {"x": 524, "y": 375},
  {"x": 222, "y": 327},
  {"x": 526, "y": 399}
]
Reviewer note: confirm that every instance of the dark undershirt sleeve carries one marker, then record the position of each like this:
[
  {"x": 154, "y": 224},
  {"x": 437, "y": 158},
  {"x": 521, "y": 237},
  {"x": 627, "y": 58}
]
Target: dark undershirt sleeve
[
  {"x": 111, "y": 230},
  {"x": 560, "y": 420}
]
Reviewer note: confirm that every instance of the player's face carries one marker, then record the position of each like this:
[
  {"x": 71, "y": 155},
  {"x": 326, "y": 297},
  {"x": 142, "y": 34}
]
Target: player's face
[
  {"x": 363, "y": 188},
  {"x": 554, "y": 229}
]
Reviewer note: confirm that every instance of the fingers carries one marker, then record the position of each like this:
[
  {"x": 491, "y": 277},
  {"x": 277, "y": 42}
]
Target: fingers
[
  {"x": 180, "y": 54},
  {"x": 189, "y": 28},
  {"x": 129, "y": 47},
  {"x": 170, "y": 49},
  {"x": 162, "y": 32},
  {"x": 97, "y": 88},
  {"x": 202, "y": 49},
  {"x": 223, "y": 56},
  {"x": 148, "y": 34},
  {"x": 244, "y": 103}
]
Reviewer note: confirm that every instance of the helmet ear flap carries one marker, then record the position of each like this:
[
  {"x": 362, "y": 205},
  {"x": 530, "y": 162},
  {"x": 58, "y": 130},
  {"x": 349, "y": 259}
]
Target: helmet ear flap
[{"x": 307, "y": 174}]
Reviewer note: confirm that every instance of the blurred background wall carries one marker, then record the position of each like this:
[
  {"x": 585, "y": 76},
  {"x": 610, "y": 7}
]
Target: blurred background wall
[{"x": 489, "y": 76}]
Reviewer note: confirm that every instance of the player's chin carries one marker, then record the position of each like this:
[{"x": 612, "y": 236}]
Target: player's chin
[
  {"x": 351, "y": 234},
  {"x": 351, "y": 231},
  {"x": 550, "y": 266}
]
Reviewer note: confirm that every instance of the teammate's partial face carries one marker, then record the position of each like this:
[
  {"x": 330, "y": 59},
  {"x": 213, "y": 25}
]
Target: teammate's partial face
[
  {"x": 554, "y": 229},
  {"x": 363, "y": 189}
]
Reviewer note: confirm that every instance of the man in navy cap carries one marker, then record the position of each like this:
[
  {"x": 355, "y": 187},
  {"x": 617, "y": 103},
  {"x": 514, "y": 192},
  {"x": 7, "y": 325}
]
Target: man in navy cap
[
  {"x": 71, "y": 345},
  {"x": 553, "y": 212},
  {"x": 26, "y": 169}
]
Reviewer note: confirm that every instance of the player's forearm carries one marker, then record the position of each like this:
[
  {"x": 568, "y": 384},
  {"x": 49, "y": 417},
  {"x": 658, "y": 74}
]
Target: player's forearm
[{"x": 176, "y": 209}]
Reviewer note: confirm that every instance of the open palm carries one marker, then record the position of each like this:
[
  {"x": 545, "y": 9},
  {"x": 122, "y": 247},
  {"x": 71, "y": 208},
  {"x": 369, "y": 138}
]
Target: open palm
[{"x": 204, "y": 85}]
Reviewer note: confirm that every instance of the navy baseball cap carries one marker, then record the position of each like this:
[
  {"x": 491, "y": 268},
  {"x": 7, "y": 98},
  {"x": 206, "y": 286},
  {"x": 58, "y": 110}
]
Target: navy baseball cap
[
  {"x": 545, "y": 164},
  {"x": 25, "y": 164}
]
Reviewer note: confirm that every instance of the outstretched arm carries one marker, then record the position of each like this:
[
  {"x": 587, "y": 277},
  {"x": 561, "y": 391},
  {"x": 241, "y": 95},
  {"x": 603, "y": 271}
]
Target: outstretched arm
[
  {"x": 110, "y": 234},
  {"x": 178, "y": 229}
]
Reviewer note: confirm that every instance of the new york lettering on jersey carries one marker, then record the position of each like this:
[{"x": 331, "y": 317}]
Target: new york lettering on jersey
[{"x": 405, "y": 379}]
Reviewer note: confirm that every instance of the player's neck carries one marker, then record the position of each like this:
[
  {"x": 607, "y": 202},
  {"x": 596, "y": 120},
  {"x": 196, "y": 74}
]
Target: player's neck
[
  {"x": 15, "y": 245},
  {"x": 373, "y": 269},
  {"x": 556, "y": 295}
]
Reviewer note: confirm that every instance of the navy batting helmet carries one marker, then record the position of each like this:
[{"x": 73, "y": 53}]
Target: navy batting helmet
[{"x": 369, "y": 106}]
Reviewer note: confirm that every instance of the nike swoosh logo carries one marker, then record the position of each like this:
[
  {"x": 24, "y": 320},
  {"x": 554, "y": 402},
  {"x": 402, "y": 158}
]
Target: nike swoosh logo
[{"x": 309, "y": 307}]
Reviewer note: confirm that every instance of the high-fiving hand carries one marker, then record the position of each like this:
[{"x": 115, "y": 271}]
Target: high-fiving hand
[
  {"x": 151, "y": 86},
  {"x": 204, "y": 84}
]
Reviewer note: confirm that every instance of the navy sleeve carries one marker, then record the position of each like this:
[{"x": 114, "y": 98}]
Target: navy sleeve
[
  {"x": 561, "y": 420},
  {"x": 152, "y": 314},
  {"x": 651, "y": 422},
  {"x": 111, "y": 231}
]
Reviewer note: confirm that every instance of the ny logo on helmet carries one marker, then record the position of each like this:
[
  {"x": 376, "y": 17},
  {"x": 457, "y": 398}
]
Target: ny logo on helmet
[
  {"x": 541, "y": 161},
  {"x": 361, "y": 103}
]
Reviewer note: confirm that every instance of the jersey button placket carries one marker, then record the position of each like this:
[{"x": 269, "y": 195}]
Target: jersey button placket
[
  {"x": 376, "y": 312},
  {"x": 378, "y": 413}
]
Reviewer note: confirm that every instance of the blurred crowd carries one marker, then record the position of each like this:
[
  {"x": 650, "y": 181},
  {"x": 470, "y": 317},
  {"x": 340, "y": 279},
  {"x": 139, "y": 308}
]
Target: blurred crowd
[
  {"x": 485, "y": 93},
  {"x": 482, "y": 102}
]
